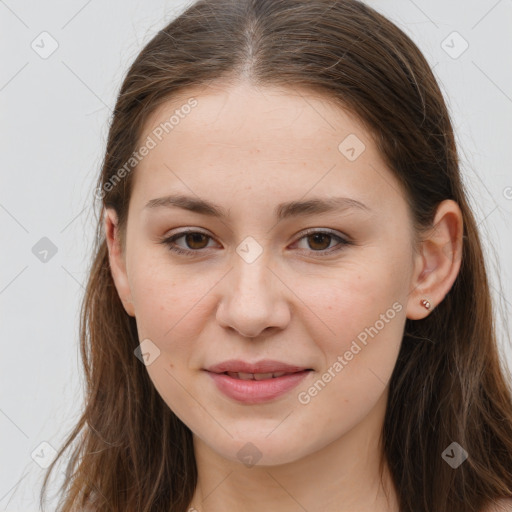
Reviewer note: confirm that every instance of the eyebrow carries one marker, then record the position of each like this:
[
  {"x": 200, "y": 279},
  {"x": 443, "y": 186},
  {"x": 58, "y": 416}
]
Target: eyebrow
[{"x": 282, "y": 211}]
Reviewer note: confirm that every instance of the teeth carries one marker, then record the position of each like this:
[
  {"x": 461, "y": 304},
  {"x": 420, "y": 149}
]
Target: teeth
[
  {"x": 245, "y": 376},
  {"x": 255, "y": 376},
  {"x": 262, "y": 376}
]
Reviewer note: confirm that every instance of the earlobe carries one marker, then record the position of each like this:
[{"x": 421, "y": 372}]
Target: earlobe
[
  {"x": 117, "y": 260},
  {"x": 437, "y": 263}
]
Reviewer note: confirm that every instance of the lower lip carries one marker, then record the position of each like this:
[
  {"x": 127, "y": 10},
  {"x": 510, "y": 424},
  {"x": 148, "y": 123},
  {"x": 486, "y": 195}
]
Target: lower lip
[{"x": 257, "y": 391}]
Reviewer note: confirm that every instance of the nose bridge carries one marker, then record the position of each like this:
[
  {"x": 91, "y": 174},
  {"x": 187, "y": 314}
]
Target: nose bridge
[
  {"x": 253, "y": 278},
  {"x": 251, "y": 270},
  {"x": 251, "y": 301}
]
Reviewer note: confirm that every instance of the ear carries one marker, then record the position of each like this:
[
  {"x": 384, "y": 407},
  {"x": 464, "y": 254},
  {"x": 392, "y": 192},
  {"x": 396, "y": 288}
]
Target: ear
[
  {"x": 438, "y": 260},
  {"x": 117, "y": 260}
]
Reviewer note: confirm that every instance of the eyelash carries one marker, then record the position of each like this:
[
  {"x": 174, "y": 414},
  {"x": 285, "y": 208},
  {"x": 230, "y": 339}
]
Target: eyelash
[{"x": 169, "y": 242}]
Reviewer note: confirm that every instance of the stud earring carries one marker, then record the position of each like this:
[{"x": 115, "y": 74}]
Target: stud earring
[{"x": 425, "y": 303}]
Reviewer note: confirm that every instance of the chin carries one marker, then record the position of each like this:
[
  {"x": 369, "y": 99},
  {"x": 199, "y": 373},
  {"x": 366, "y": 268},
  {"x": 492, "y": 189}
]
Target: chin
[{"x": 260, "y": 449}]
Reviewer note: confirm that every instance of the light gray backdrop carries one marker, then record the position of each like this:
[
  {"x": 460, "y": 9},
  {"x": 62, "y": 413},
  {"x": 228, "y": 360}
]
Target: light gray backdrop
[{"x": 62, "y": 65}]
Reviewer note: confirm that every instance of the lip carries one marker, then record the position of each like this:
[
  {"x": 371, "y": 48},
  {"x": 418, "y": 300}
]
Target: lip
[
  {"x": 263, "y": 366},
  {"x": 256, "y": 391}
]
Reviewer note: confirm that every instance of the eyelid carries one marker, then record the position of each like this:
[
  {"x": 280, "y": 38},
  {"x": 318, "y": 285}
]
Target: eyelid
[
  {"x": 168, "y": 239},
  {"x": 343, "y": 241},
  {"x": 328, "y": 231}
]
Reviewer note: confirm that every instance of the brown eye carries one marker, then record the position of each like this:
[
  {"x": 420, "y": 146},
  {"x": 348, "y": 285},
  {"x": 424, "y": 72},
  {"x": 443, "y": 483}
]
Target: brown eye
[
  {"x": 319, "y": 241},
  {"x": 196, "y": 240}
]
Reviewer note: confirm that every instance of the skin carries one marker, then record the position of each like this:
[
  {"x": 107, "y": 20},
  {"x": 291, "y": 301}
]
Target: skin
[{"x": 248, "y": 149}]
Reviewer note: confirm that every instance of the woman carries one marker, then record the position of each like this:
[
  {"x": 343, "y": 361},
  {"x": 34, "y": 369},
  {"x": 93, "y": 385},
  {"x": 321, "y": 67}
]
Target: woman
[{"x": 288, "y": 307}]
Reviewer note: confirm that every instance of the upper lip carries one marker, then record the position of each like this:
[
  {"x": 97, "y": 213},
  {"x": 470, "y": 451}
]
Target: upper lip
[{"x": 263, "y": 366}]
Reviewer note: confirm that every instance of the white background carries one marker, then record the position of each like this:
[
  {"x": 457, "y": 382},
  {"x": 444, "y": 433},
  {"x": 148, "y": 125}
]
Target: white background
[{"x": 55, "y": 114}]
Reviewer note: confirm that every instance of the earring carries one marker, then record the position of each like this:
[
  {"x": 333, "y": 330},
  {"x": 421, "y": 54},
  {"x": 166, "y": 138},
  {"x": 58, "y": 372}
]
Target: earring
[{"x": 425, "y": 303}]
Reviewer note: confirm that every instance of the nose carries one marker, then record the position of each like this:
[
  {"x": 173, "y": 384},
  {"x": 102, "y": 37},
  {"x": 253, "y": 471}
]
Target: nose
[{"x": 254, "y": 299}]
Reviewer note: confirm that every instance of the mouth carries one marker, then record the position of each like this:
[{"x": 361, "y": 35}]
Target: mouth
[
  {"x": 260, "y": 370},
  {"x": 257, "y": 388}
]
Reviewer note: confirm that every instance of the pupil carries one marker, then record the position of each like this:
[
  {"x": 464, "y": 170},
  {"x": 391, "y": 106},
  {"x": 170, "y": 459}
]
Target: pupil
[
  {"x": 317, "y": 237},
  {"x": 192, "y": 238}
]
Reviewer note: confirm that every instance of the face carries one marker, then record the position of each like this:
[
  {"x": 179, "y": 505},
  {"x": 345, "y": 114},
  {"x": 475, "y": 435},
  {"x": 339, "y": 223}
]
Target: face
[{"x": 322, "y": 285}]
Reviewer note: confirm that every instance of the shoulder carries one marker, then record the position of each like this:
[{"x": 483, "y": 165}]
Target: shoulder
[{"x": 501, "y": 505}]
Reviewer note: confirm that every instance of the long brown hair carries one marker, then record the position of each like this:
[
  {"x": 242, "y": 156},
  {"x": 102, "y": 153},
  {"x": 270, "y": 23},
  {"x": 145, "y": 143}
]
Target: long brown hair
[{"x": 129, "y": 450}]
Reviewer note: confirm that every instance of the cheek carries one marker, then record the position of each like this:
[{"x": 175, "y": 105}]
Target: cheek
[
  {"x": 170, "y": 311},
  {"x": 364, "y": 309},
  {"x": 162, "y": 293},
  {"x": 357, "y": 302},
  {"x": 366, "y": 317}
]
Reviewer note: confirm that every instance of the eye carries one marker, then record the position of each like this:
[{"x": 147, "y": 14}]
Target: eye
[
  {"x": 194, "y": 240},
  {"x": 319, "y": 241}
]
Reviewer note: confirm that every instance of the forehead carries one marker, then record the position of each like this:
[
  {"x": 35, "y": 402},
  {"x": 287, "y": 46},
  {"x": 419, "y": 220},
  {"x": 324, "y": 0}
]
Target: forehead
[
  {"x": 233, "y": 136},
  {"x": 243, "y": 111}
]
